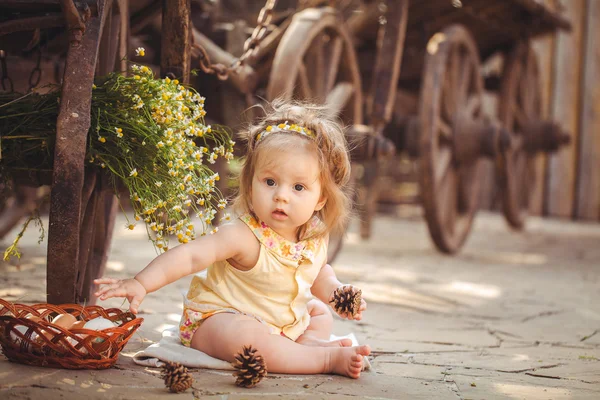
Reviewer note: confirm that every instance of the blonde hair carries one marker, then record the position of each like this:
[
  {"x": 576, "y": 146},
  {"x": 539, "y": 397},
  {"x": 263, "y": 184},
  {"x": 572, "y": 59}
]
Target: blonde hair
[{"x": 332, "y": 154}]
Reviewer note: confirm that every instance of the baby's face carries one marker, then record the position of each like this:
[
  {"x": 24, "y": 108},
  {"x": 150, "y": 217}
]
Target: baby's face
[{"x": 286, "y": 189}]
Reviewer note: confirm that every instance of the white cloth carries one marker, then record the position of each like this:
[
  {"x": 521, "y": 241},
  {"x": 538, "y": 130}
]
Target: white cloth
[{"x": 169, "y": 348}]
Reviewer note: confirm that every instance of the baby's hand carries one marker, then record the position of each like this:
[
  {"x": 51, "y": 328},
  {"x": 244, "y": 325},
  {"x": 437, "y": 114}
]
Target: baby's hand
[
  {"x": 343, "y": 301},
  {"x": 131, "y": 289},
  {"x": 358, "y": 315}
]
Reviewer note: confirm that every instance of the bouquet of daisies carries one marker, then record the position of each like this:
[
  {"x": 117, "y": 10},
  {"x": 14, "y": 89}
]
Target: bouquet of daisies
[{"x": 148, "y": 133}]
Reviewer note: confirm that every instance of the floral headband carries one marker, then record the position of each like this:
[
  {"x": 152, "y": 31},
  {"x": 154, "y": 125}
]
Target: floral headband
[{"x": 284, "y": 127}]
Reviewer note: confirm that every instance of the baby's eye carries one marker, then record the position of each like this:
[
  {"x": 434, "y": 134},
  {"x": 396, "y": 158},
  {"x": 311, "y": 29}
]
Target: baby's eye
[
  {"x": 270, "y": 182},
  {"x": 298, "y": 187}
]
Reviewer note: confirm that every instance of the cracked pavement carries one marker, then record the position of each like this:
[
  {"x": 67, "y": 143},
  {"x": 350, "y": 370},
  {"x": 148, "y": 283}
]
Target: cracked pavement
[{"x": 513, "y": 316}]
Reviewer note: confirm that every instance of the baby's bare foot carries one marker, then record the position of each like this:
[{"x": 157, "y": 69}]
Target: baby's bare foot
[
  {"x": 308, "y": 340},
  {"x": 348, "y": 361}
]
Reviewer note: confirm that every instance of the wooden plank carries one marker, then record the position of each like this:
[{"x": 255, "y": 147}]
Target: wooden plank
[
  {"x": 544, "y": 49},
  {"x": 588, "y": 178},
  {"x": 124, "y": 39},
  {"x": 488, "y": 188},
  {"x": 565, "y": 109},
  {"x": 380, "y": 103},
  {"x": 104, "y": 222},
  {"x": 67, "y": 178},
  {"x": 176, "y": 39}
]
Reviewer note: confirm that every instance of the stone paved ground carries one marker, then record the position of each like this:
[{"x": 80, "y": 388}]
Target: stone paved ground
[{"x": 514, "y": 316}]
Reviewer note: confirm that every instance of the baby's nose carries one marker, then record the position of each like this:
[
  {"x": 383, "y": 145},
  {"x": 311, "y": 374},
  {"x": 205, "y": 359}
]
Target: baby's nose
[{"x": 281, "y": 196}]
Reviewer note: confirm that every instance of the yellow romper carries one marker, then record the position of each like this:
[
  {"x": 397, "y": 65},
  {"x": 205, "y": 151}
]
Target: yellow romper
[{"x": 275, "y": 291}]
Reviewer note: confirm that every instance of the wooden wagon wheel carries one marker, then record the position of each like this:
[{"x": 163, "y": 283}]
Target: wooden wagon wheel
[
  {"x": 315, "y": 61},
  {"x": 520, "y": 104},
  {"x": 451, "y": 93}
]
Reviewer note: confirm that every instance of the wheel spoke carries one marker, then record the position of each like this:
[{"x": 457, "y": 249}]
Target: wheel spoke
[
  {"x": 524, "y": 180},
  {"x": 447, "y": 101},
  {"x": 466, "y": 180},
  {"x": 474, "y": 105},
  {"x": 524, "y": 92},
  {"x": 339, "y": 97},
  {"x": 333, "y": 55},
  {"x": 525, "y": 89},
  {"x": 465, "y": 82},
  {"x": 443, "y": 164},
  {"x": 304, "y": 83},
  {"x": 516, "y": 143},
  {"x": 447, "y": 201},
  {"x": 520, "y": 117},
  {"x": 454, "y": 69},
  {"x": 445, "y": 132},
  {"x": 315, "y": 66}
]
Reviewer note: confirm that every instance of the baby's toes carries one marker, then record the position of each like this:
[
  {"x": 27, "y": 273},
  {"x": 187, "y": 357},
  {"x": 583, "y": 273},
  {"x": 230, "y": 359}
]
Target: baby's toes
[
  {"x": 365, "y": 350},
  {"x": 354, "y": 372},
  {"x": 356, "y": 358},
  {"x": 356, "y": 361}
]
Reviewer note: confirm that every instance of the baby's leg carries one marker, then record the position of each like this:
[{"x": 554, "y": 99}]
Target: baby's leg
[
  {"x": 223, "y": 335},
  {"x": 319, "y": 330}
]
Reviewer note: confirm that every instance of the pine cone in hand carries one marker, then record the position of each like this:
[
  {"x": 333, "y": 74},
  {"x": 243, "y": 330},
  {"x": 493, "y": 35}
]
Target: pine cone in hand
[
  {"x": 176, "y": 376},
  {"x": 250, "y": 367},
  {"x": 347, "y": 299}
]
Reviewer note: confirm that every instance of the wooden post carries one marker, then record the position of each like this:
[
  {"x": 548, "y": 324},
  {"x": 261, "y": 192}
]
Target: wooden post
[
  {"x": 544, "y": 49},
  {"x": 387, "y": 68},
  {"x": 565, "y": 105},
  {"x": 588, "y": 178},
  {"x": 67, "y": 178},
  {"x": 123, "y": 35},
  {"x": 176, "y": 43}
]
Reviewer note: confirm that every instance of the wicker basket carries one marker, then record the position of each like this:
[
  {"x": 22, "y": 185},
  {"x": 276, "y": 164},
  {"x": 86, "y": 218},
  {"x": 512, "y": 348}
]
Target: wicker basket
[{"x": 42, "y": 343}]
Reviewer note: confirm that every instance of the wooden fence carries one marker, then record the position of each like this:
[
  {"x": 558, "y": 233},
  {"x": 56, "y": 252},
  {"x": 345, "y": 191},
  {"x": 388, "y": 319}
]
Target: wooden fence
[{"x": 567, "y": 183}]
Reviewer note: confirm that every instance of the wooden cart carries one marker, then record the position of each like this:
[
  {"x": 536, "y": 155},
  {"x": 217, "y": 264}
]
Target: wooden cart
[
  {"x": 357, "y": 61},
  {"x": 429, "y": 54},
  {"x": 409, "y": 73}
]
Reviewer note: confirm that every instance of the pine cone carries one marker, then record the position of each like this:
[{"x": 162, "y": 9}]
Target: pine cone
[
  {"x": 250, "y": 367},
  {"x": 347, "y": 299},
  {"x": 176, "y": 376}
]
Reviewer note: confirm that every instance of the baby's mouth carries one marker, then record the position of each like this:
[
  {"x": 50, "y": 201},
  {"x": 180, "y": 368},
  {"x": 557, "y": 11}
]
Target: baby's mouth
[{"x": 280, "y": 213}]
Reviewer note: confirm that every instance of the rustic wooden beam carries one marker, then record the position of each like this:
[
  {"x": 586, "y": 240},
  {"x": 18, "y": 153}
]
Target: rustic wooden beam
[
  {"x": 176, "y": 43},
  {"x": 86, "y": 232},
  {"x": 387, "y": 68},
  {"x": 106, "y": 211},
  {"x": 588, "y": 180},
  {"x": 539, "y": 9},
  {"x": 565, "y": 108},
  {"x": 124, "y": 33},
  {"x": 145, "y": 16},
  {"x": 67, "y": 179},
  {"x": 51, "y": 20},
  {"x": 365, "y": 21},
  {"x": 544, "y": 48},
  {"x": 26, "y": 5},
  {"x": 109, "y": 44},
  {"x": 245, "y": 78},
  {"x": 75, "y": 23}
]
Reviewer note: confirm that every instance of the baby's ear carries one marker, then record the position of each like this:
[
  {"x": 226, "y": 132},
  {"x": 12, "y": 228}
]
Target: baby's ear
[{"x": 321, "y": 203}]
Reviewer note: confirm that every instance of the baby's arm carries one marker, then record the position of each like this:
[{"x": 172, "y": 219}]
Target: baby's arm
[
  {"x": 324, "y": 286},
  {"x": 229, "y": 242}
]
